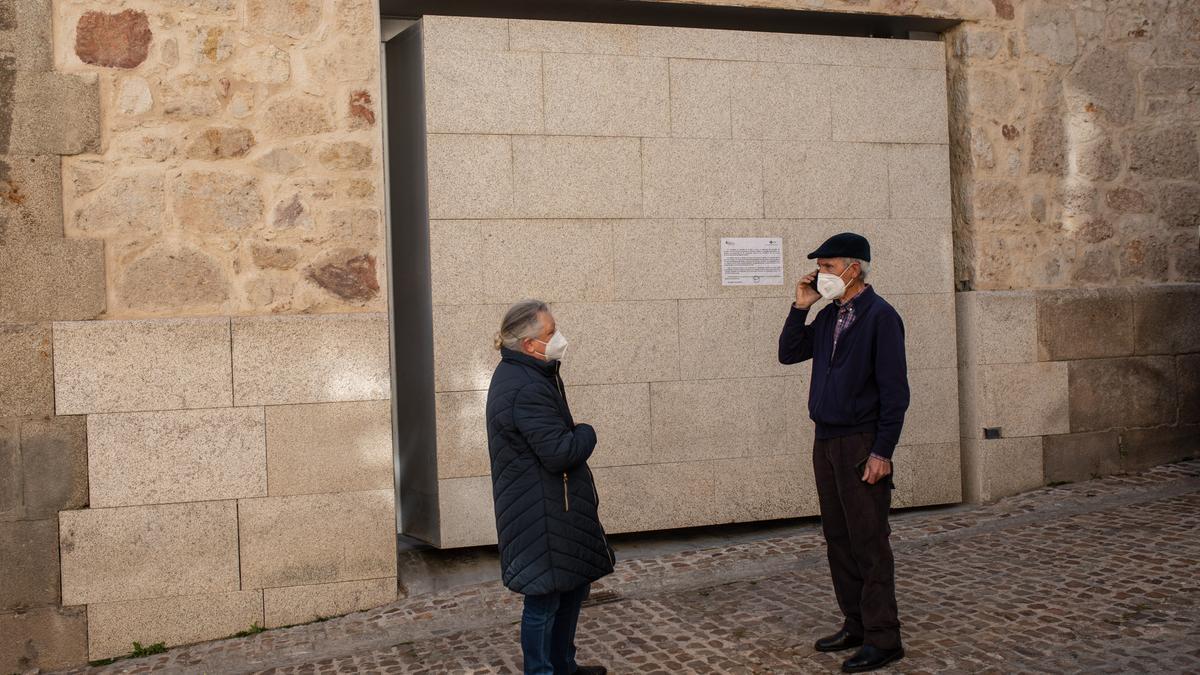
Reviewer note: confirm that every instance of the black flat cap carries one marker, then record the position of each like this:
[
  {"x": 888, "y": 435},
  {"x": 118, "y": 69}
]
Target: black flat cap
[{"x": 844, "y": 245}]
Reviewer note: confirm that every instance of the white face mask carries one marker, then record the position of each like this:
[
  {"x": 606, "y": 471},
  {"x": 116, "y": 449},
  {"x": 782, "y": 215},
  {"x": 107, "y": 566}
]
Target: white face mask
[
  {"x": 556, "y": 348},
  {"x": 831, "y": 286}
]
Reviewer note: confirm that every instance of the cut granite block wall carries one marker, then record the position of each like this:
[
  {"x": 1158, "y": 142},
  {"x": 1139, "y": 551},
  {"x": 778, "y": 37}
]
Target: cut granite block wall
[{"x": 597, "y": 167}]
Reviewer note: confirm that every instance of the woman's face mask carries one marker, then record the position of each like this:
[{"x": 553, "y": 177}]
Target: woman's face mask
[{"x": 556, "y": 347}]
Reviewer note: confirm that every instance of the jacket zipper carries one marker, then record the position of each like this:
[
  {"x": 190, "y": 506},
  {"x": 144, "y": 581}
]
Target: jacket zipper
[
  {"x": 607, "y": 549},
  {"x": 566, "y": 502}
]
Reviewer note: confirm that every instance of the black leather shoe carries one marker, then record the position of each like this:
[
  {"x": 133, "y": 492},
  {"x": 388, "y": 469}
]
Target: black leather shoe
[
  {"x": 843, "y": 639},
  {"x": 591, "y": 670},
  {"x": 871, "y": 658}
]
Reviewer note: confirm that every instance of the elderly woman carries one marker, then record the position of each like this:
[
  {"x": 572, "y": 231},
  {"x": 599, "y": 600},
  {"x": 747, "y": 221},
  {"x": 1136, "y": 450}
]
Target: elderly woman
[{"x": 552, "y": 546}]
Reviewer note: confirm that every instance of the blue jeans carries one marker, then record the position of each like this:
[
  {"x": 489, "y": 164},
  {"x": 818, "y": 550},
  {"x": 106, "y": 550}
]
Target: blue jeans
[{"x": 548, "y": 631}]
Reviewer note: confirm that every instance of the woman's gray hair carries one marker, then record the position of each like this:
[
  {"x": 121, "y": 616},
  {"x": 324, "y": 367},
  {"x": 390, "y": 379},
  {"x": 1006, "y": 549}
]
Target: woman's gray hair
[
  {"x": 864, "y": 265},
  {"x": 522, "y": 320}
]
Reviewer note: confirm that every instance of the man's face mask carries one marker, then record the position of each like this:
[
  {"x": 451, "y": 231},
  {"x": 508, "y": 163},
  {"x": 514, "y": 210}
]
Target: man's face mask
[
  {"x": 556, "y": 347},
  {"x": 831, "y": 286}
]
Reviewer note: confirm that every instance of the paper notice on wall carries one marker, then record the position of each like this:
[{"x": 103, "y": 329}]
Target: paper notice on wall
[{"x": 751, "y": 261}]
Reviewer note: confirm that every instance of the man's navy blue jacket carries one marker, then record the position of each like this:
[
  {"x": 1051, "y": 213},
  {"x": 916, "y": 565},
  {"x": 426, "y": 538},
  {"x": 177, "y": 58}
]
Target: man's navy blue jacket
[
  {"x": 550, "y": 536},
  {"x": 863, "y": 387}
]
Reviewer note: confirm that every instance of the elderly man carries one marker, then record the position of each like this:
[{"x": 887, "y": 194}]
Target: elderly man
[
  {"x": 552, "y": 545},
  {"x": 857, "y": 398}
]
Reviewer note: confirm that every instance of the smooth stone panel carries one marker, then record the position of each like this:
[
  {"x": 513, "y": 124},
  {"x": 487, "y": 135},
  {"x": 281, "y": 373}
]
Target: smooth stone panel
[
  {"x": 780, "y": 101},
  {"x": 852, "y": 51},
  {"x": 154, "y": 551},
  {"x": 801, "y": 430},
  {"x": 312, "y": 539},
  {"x": 1001, "y": 467},
  {"x": 467, "y": 512},
  {"x": 469, "y": 176},
  {"x": 658, "y": 496},
  {"x": 1124, "y": 392},
  {"x": 929, "y": 474},
  {"x": 1167, "y": 319},
  {"x": 919, "y": 181},
  {"x": 329, "y": 447},
  {"x": 576, "y": 177},
  {"x": 659, "y": 259},
  {"x": 477, "y": 92},
  {"x": 620, "y": 414},
  {"x": 26, "y": 370},
  {"x": 932, "y": 416},
  {"x": 697, "y": 43},
  {"x": 462, "y": 436},
  {"x": 54, "y": 456},
  {"x": 716, "y": 419},
  {"x": 455, "y": 251},
  {"x": 929, "y": 330},
  {"x": 1084, "y": 324},
  {"x": 464, "y": 354},
  {"x": 552, "y": 260},
  {"x": 700, "y": 98},
  {"x": 176, "y": 456},
  {"x": 1077, "y": 457},
  {"x": 301, "y": 604},
  {"x": 907, "y": 256},
  {"x": 124, "y": 366},
  {"x": 1187, "y": 374},
  {"x": 766, "y": 488},
  {"x": 686, "y": 178},
  {"x": 997, "y": 327},
  {"x": 888, "y": 105},
  {"x": 825, "y": 180},
  {"x": 600, "y": 95},
  {"x": 311, "y": 359},
  {"x": 620, "y": 341},
  {"x": 731, "y": 337},
  {"x": 1023, "y": 399},
  {"x": 57, "y": 635},
  {"x": 29, "y": 560},
  {"x": 572, "y": 37},
  {"x": 1162, "y": 445},
  {"x": 113, "y": 627},
  {"x": 461, "y": 32}
]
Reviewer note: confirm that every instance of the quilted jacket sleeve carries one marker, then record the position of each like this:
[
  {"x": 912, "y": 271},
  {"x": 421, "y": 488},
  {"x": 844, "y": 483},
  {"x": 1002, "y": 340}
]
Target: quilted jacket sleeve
[{"x": 558, "y": 446}]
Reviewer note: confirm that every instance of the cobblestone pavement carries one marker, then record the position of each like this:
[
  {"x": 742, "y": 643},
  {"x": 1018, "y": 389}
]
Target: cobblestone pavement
[{"x": 1095, "y": 577}]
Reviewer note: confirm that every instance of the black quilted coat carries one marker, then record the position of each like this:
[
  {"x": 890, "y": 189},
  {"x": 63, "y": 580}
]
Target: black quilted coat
[{"x": 551, "y": 540}]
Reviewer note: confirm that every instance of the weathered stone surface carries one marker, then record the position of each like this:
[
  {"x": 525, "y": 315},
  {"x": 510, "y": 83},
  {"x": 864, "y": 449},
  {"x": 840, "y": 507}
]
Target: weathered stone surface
[
  {"x": 346, "y": 155},
  {"x": 294, "y": 18},
  {"x": 329, "y": 447},
  {"x": 176, "y": 456},
  {"x": 30, "y": 198},
  {"x": 1047, "y": 151},
  {"x": 998, "y": 201},
  {"x": 29, "y": 563},
  {"x": 311, "y": 359},
  {"x": 361, "y": 109},
  {"x": 54, "y": 455},
  {"x": 1167, "y": 319},
  {"x": 122, "y": 366},
  {"x": 1076, "y": 457},
  {"x": 217, "y": 202},
  {"x": 1126, "y": 392},
  {"x": 135, "y": 97},
  {"x": 172, "y": 276},
  {"x": 1102, "y": 81},
  {"x": 148, "y": 551},
  {"x": 1129, "y": 200},
  {"x": 297, "y": 116},
  {"x": 346, "y": 273},
  {"x": 211, "y": 44},
  {"x": 301, "y": 604},
  {"x": 1050, "y": 32},
  {"x": 357, "y": 225},
  {"x": 50, "y": 113},
  {"x": 195, "y": 95},
  {"x": 1084, "y": 324},
  {"x": 221, "y": 143},
  {"x": 281, "y": 161},
  {"x": 1145, "y": 448},
  {"x": 270, "y": 257},
  {"x": 26, "y": 377},
  {"x": 125, "y": 204},
  {"x": 1187, "y": 374},
  {"x": 47, "y": 637},
  {"x": 26, "y": 35},
  {"x": 113, "y": 40},
  {"x": 11, "y": 506},
  {"x": 114, "y": 626},
  {"x": 1179, "y": 204},
  {"x": 997, "y": 468},
  {"x": 1099, "y": 160},
  {"x": 65, "y": 276},
  {"x": 313, "y": 539},
  {"x": 292, "y": 213},
  {"x": 1165, "y": 153}
]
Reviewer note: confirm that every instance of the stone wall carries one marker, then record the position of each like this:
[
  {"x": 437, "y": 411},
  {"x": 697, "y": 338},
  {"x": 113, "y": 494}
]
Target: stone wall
[{"x": 598, "y": 167}]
